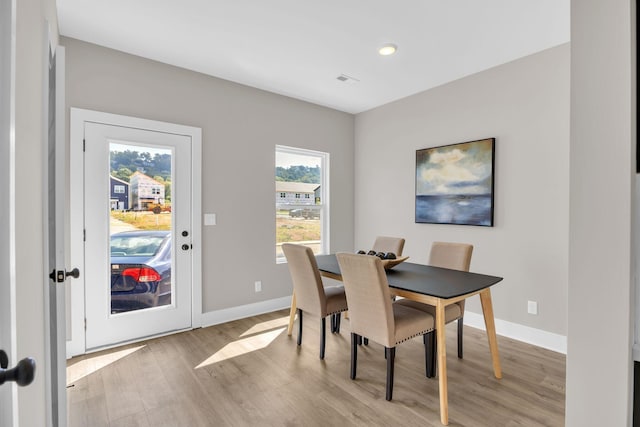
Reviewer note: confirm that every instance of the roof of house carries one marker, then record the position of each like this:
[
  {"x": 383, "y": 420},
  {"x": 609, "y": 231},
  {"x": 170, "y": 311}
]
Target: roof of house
[
  {"x": 146, "y": 177},
  {"x": 119, "y": 180},
  {"x": 295, "y": 187}
]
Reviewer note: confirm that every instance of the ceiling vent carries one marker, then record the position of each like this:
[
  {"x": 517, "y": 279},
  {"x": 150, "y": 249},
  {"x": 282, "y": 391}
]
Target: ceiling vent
[{"x": 347, "y": 79}]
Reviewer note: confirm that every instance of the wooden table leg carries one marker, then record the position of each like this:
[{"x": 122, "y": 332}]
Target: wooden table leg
[
  {"x": 487, "y": 311},
  {"x": 442, "y": 363},
  {"x": 292, "y": 313}
]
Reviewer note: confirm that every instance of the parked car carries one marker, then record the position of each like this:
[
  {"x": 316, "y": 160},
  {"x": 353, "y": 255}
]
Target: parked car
[
  {"x": 305, "y": 213},
  {"x": 140, "y": 270}
]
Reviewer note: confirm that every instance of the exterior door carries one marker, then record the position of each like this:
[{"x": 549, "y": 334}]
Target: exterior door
[{"x": 138, "y": 233}]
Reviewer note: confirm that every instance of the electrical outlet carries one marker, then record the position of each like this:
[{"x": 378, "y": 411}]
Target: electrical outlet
[
  {"x": 532, "y": 307},
  {"x": 258, "y": 285}
]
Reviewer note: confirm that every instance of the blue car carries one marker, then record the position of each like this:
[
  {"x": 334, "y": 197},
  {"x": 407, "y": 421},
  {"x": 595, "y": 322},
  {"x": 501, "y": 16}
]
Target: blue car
[{"x": 140, "y": 270}]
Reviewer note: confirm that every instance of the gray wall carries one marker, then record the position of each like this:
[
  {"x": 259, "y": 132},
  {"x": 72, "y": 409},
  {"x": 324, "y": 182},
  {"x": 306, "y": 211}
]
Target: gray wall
[
  {"x": 240, "y": 128},
  {"x": 525, "y": 106},
  {"x": 599, "y": 366}
]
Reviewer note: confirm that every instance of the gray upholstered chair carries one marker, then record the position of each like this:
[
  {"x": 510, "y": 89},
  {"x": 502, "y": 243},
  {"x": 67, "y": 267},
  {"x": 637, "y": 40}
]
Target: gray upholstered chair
[
  {"x": 454, "y": 256},
  {"x": 372, "y": 314},
  {"x": 311, "y": 296},
  {"x": 389, "y": 244}
]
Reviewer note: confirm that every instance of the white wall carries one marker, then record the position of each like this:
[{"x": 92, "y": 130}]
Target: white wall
[
  {"x": 599, "y": 366},
  {"x": 240, "y": 128},
  {"x": 525, "y": 106}
]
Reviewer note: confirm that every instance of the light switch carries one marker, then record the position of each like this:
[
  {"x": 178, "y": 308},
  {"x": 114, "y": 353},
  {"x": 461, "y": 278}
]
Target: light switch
[{"x": 210, "y": 219}]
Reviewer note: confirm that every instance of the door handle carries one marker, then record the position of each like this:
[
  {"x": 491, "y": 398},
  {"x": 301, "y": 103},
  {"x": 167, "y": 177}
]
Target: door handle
[
  {"x": 75, "y": 273},
  {"x": 22, "y": 374},
  {"x": 186, "y": 247},
  {"x": 60, "y": 275}
]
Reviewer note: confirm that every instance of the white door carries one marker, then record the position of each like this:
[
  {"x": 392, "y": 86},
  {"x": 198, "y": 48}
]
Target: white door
[
  {"x": 8, "y": 392},
  {"x": 55, "y": 234},
  {"x": 138, "y": 261}
]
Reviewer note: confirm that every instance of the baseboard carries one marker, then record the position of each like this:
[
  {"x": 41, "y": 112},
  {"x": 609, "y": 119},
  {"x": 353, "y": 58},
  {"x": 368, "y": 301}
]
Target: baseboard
[
  {"x": 234, "y": 313},
  {"x": 537, "y": 337}
]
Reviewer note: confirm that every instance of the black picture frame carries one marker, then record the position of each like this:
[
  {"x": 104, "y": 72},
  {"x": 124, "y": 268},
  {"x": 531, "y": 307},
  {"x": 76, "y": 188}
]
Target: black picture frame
[{"x": 455, "y": 184}]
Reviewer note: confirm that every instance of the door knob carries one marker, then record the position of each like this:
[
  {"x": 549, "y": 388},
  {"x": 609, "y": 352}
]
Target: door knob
[
  {"x": 186, "y": 247},
  {"x": 59, "y": 276},
  {"x": 185, "y": 233},
  {"x": 22, "y": 374},
  {"x": 75, "y": 273}
]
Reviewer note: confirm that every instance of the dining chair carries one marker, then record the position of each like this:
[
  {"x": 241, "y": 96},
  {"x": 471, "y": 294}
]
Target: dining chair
[
  {"x": 312, "y": 296},
  {"x": 374, "y": 315},
  {"x": 389, "y": 244},
  {"x": 454, "y": 256}
]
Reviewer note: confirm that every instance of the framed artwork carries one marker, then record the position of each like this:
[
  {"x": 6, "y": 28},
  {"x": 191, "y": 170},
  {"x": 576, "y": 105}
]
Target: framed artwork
[{"x": 454, "y": 183}]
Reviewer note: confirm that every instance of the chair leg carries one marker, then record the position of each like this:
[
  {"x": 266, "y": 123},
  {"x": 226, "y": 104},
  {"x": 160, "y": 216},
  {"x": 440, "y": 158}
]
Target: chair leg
[
  {"x": 460, "y": 329},
  {"x": 430, "y": 349},
  {"x": 354, "y": 354},
  {"x": 391, "y": 355},
  {"x": 338, "y": 317},
  {"x": 426, "y": 339},
  {"x": 299, "y": 327},
  {"x": 323, "y": 336},
  {"x": 365, "y": 341},
  {"x": 359, "y": 339}
]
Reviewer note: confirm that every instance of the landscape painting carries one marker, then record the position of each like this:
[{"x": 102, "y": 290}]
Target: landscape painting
[{"x": 454, "y": 183}]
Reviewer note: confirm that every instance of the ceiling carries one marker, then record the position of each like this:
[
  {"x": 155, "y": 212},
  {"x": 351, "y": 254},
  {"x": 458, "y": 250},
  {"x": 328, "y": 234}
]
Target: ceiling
[{"x": 298, "y": 48}]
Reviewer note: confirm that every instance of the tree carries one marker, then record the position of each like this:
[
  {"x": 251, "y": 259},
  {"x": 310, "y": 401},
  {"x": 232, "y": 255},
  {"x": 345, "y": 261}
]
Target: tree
[
  {"x": 308, "y": 174},
  {"x": 123, "y": 174}
]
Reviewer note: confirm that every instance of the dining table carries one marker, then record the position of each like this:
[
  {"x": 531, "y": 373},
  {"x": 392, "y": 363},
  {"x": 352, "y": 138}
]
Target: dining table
[{"x": 438, "y": 287}]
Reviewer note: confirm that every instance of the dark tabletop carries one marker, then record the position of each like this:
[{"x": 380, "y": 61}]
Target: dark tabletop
[{"x": 424, "y": 279}]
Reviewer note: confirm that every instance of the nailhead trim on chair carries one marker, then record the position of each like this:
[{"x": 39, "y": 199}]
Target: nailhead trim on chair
[{"x": 415, "y": 335}]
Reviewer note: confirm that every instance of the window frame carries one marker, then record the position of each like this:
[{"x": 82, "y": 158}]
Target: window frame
[{"x": 324, "y": 206}]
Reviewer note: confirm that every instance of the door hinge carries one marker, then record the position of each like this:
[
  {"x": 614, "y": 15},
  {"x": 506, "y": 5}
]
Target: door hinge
[
  {"x": 84, "y": 235},
  {"x": 85, "y": 324},
  {"x": 84, "y": 145}
]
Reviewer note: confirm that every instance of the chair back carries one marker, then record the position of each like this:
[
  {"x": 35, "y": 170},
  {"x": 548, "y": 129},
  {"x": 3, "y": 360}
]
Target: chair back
[
  {"x": 307, "y": 282},
  {"x": 454, "y": 256},
  {"x": 368, "y": 297},
  {"x": 389, "y": 244}
]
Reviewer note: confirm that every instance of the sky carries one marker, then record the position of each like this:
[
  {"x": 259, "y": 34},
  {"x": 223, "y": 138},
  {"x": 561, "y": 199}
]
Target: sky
[
  {"x": 139, "y": 148},
  {"x": 286, "y": 159}
]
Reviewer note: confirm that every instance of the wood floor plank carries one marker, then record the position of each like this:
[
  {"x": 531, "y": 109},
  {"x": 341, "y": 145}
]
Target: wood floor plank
[{"x": 250, "y": 373}]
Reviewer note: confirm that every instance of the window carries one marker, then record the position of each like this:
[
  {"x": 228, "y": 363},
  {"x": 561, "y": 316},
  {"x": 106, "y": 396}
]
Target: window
[
  {"x": 118, "y": 189},
  {"x": 303, "y": 218},
  {"x": 283, "y": 195}
]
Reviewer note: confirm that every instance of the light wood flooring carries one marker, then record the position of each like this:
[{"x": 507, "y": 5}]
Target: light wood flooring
[{"x": 250, "y": 373}]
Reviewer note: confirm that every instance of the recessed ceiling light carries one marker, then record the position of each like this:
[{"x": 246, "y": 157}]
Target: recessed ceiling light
[{"x": 388, "y": 49}]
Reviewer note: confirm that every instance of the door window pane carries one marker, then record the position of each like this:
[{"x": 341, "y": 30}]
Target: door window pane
[{"x": 140, "y": 227}]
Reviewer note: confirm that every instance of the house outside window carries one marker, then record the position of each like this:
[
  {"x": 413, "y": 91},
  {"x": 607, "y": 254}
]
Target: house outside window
[{"x": 302, "y": 216}]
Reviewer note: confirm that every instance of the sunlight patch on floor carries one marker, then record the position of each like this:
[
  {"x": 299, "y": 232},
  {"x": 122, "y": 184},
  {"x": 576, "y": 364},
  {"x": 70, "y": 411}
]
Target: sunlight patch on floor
[
  {"x": 90, "y": 365},
  {"x": 243, "y": 346},
  {"x": 266, "y": 326}
]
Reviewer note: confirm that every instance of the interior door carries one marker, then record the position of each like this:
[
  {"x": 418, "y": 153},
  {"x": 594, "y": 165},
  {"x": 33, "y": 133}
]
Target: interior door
[
  {"x": 55, "y": 305},
  {"x": 8, "y": 400},
  {"x": 138, "y": 233}
]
